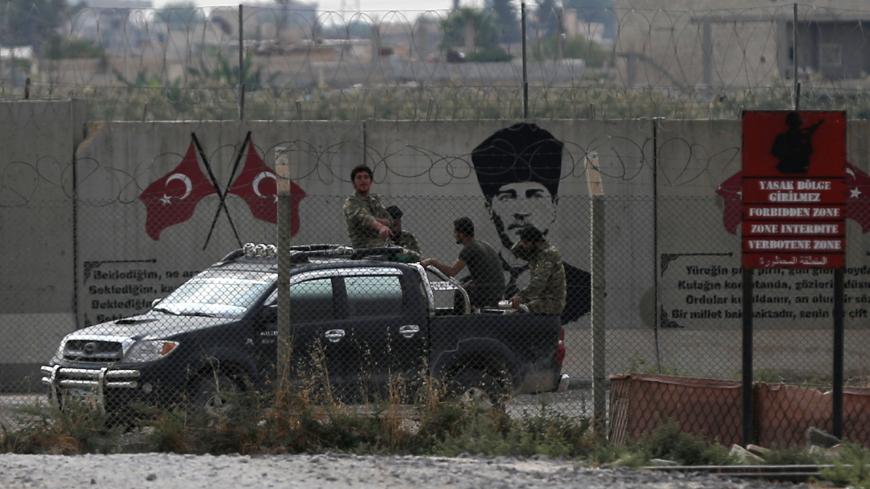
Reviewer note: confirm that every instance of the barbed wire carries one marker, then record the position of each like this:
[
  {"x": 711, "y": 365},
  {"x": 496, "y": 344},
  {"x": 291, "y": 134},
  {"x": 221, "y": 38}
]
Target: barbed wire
[{"x": 273, "y": 62}]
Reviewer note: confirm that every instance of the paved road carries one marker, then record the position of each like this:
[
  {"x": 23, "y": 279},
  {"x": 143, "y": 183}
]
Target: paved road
[{"x": 330, "y": 471}]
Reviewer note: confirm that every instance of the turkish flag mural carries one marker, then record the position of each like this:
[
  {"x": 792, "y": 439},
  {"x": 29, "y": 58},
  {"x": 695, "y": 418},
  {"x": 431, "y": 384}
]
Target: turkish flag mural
[
  {"x": 730, "y": 191},
  {"x": 857, "y": 205},
  {"x": 858, "y": 200},
  {"x": 172, "y": 198},
  {"x": 257, "y": 186}
]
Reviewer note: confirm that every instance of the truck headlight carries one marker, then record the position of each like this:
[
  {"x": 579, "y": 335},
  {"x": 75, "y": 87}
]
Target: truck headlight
[{"x": 150, "y": 350}]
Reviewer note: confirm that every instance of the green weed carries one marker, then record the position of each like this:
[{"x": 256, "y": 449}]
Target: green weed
[
  {"x": 851, "y": 468},
  {"x": 670, "y": 443},
  {"x": 79, "y": 428}
]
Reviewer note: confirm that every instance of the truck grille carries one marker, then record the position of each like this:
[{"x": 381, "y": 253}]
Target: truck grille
[{"x": 93, "y": 351}]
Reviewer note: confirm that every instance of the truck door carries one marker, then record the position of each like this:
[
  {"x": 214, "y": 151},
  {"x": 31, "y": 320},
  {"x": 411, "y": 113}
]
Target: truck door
[
  {"x": 388, "y": 336},
  {"x": 312, "y": 311}
]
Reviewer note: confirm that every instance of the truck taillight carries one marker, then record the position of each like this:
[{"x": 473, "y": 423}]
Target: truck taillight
[{"x": 559, "y": 356}]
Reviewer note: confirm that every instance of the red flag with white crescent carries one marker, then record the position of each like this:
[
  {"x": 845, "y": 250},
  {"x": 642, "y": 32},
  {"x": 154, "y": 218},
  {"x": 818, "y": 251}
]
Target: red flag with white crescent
[
  {"x": 857, "y": 205},
  {"x": 730, "y": 191},
  {"x": 858, "y": 200},
  {"x": 172, "y": 198},
  {"x": 257, "y": 186}
]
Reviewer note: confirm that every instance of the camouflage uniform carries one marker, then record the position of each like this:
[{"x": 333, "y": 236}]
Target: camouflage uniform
[
  {"x": 359, "y": 213},
  {"x": 408, "y": 241},
  {"x": 545, "y": 293}
]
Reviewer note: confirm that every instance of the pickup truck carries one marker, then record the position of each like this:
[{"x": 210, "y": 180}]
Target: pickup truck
[{"x": 359, "y": 316}]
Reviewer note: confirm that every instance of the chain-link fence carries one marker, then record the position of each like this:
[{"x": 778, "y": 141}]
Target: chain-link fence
[
  {"x": 364, "y": 329},
  {"x": 92, "y": 244},
  {"x": 619, "y": 59}
]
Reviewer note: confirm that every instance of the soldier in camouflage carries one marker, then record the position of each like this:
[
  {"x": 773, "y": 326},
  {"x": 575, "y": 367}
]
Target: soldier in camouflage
[
  {"x": 545, "y": 293},
  {"x": 368, "y": 222}
]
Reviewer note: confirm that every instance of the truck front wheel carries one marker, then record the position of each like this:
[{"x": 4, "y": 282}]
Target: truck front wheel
[{"x": 215, "y": 394}]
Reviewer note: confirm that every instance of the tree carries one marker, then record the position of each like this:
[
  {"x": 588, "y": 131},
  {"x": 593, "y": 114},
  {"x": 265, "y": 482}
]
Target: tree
[
  {"x": 355, "y": 29},
  {"x": 468, "y": 21},
  {"x": 572, "y": 48},
  {"x": 549, "y": 16},
  {"x": 58, "y": 48},
  {"x": 600, "y": 11},
  {"x": 31, "y": 22},
  {"x": 302, "y": 14},
  {"x": 225, "y": 73},
  {"x": 506, "y": 19},
  {"x": 181, "y": 15}
]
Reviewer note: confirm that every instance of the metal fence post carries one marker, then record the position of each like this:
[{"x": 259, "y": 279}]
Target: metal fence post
[
  {"x": 525, "y": 70},
  {"x": 596, "y": 248},
  {"x": 241, "y": 63},
  {"x": 282, "y": 169},
  {"x": 794, "y": 58},
  {"x": 839, "y": 352}
]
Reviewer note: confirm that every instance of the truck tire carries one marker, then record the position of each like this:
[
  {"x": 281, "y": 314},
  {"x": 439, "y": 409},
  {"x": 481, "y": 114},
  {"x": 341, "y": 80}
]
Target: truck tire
[
  {"x": 215, "y": 394},
  {"x": 478, "y": 387}
]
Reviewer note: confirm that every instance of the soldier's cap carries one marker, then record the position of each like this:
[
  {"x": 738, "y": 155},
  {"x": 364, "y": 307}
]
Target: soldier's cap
[
  {"x": 531, "y": 234},
  {"x": 520, "y": 153},
  {"x": 394, "y": 212}
]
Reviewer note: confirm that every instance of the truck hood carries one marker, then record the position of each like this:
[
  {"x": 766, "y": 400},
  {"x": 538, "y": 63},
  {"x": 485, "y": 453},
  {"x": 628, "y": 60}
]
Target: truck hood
[{"x": 151, "y": 325}]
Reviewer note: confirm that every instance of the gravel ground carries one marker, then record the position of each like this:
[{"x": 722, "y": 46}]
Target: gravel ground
[{"x": 330, "y": 471}]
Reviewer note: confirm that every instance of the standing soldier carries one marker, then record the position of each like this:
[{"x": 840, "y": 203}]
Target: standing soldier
[
  {"x": 368, "y": 222},
  {"x": 545, "y": 293}
]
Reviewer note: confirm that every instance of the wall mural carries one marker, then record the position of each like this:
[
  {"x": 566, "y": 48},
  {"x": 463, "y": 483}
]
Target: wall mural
[
  {"x": 156, "y": 204},
  {"x": 172, "y": 198},
  {"x": 519, "y": 169},
  {"x": 514, "y": 172}
]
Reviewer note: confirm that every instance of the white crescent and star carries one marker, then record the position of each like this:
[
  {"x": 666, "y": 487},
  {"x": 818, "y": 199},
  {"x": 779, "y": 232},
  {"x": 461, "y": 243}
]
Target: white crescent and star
[
  {"x": 854, "y": 193},
  {"x": 188, "y": 188},
  {"x": 258, "y": 179}
]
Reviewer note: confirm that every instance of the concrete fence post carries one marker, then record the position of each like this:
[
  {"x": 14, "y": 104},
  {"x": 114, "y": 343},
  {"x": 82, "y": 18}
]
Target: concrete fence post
[
  {"x": 596, "y": 260},
  {"x": 282, "y": 169}
]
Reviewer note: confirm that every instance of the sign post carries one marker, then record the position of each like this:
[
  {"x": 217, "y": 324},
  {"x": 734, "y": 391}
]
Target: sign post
[{"x": 794, "y": 198}]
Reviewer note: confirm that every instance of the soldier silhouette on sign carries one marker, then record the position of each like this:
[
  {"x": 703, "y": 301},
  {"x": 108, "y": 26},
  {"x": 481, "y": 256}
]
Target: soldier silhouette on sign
[{"x": 794, "y": 146}]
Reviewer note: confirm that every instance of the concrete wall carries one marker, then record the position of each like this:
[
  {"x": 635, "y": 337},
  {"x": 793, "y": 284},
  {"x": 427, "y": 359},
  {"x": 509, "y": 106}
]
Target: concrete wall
[
  {"x": 36, "y": 225},
  {"x": 425, "y": 168},
  {"x": 669, "y": 260},
  {"x": 699, "y": 282}
]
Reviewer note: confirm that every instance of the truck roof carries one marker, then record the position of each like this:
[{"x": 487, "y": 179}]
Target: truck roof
[{"x": 311, "y": 257}]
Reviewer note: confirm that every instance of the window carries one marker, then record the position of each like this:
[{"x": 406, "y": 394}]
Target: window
[
  {"x": 311, "y": 301},
  {"x": 374, "y": 295},
  {"x": 217, "y": 293}
]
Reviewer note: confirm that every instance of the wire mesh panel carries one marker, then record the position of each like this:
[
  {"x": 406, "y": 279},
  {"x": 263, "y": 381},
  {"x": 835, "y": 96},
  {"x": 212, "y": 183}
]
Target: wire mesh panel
[
  {"x": 601, "y": 60},
  {"x": 165, "y": 306}
]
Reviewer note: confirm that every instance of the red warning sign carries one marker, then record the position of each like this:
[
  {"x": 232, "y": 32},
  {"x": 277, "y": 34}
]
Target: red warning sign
[{"x": 793, "y": 189}]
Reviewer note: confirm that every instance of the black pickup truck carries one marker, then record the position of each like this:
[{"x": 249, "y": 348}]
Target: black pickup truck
[{"x": 358, "y": 316}]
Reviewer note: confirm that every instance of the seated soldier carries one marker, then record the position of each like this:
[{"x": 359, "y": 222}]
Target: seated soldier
[
  {"x": 545, "y": 293},
  {"x": 485, "y": 282}
]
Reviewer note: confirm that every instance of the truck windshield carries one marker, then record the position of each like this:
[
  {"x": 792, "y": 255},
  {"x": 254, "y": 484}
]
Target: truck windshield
[{"x": 226, "y": 294}]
